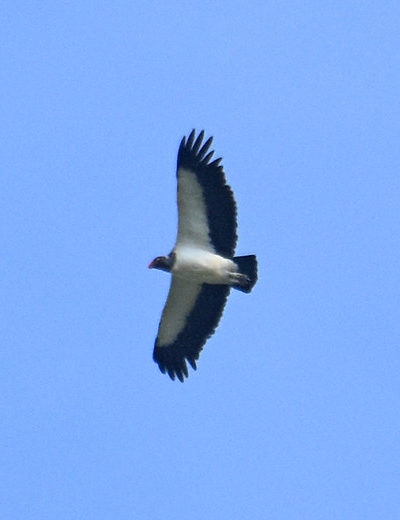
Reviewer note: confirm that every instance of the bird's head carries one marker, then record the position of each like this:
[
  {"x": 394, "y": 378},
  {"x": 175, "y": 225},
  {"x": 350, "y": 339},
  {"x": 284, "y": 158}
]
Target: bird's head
[{"x": 161, "y": 262}]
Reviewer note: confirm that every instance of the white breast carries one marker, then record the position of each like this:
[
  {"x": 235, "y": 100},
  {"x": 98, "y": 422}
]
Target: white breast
[{"x": 202, "y": 266}]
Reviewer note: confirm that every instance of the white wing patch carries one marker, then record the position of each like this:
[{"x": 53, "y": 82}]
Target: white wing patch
[
  {"x": 193, "y": 225},
  {"x": 181, "y": 300}
]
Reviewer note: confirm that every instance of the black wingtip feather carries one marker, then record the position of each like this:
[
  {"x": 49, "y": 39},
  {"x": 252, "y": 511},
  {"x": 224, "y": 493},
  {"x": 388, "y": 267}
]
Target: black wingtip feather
[
  {"x": 192, "y": 363},
  {"x": 190, "y": 140},
  {"x": 204, "y": 150},
  {"x": 215, "y": 163},
  {"x": 207, "y": 157},
  {"x": 197, "y": 143}
]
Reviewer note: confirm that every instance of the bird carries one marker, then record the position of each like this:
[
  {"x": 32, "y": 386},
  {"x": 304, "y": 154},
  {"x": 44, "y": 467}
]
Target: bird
[{"x": 202, "y": 261}]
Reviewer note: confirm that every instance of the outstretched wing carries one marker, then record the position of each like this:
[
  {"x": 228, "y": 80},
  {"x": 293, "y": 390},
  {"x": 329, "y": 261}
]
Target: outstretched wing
[
  {"x": 190, "y": 317},
  {"x": 207, "y": 209}
]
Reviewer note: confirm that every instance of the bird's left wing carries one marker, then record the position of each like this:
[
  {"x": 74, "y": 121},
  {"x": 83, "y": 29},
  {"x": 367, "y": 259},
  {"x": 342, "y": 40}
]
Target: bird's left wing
[
  {"x": 190, "y": 317},
  {"x": 207, "y": 208}
]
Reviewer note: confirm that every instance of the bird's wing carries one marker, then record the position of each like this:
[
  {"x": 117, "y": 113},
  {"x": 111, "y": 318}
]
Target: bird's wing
[
  {"x": 190, "y": 317},
  {"x": 207, "y": 209}
]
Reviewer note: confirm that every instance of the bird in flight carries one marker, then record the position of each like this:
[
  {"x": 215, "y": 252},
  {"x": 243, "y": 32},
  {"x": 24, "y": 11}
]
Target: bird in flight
[{"x": 202, "y": 262}]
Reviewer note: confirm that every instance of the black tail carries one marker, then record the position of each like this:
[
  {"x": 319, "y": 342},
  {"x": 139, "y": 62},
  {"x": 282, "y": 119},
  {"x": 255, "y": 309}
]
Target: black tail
[{"x": 248, "y": 267}]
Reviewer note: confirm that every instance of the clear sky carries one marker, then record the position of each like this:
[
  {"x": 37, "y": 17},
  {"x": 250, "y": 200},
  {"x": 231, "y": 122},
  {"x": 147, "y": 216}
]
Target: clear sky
[{"x": 293, "y": 412}]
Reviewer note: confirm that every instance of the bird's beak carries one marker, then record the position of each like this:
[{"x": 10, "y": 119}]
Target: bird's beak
[{"x": 151, "y": 264}]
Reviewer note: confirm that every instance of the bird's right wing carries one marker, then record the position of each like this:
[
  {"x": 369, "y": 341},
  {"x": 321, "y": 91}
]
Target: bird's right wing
[{"x": 190, "y": 317}]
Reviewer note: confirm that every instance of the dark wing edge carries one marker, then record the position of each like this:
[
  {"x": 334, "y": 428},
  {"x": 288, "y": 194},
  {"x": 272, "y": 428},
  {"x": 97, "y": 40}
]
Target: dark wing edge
[
  {"x": 221, "y": 206},
  {"x": 201, "y": 325}
]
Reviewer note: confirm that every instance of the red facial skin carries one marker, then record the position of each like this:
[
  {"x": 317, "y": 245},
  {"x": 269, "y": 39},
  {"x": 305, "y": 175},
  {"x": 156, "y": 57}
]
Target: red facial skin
[{"x": 161, "y": 262}]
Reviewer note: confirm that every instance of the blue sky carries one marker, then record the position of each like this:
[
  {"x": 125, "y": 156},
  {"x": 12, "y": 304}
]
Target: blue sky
[{"x": 294, "y": 410}]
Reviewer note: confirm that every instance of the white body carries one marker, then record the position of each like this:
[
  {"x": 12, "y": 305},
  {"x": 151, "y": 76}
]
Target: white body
[{"x": 197, "y": 265}]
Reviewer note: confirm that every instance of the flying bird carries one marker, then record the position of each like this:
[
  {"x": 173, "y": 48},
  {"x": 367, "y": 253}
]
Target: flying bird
[{"x": 202, "y": 262}]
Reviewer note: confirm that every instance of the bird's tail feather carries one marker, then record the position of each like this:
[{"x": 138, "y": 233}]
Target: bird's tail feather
[{"x": 248, "y": 267}]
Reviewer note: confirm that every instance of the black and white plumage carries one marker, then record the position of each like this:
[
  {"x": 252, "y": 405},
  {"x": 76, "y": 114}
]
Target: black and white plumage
[{"x": 202, "y": 261}]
